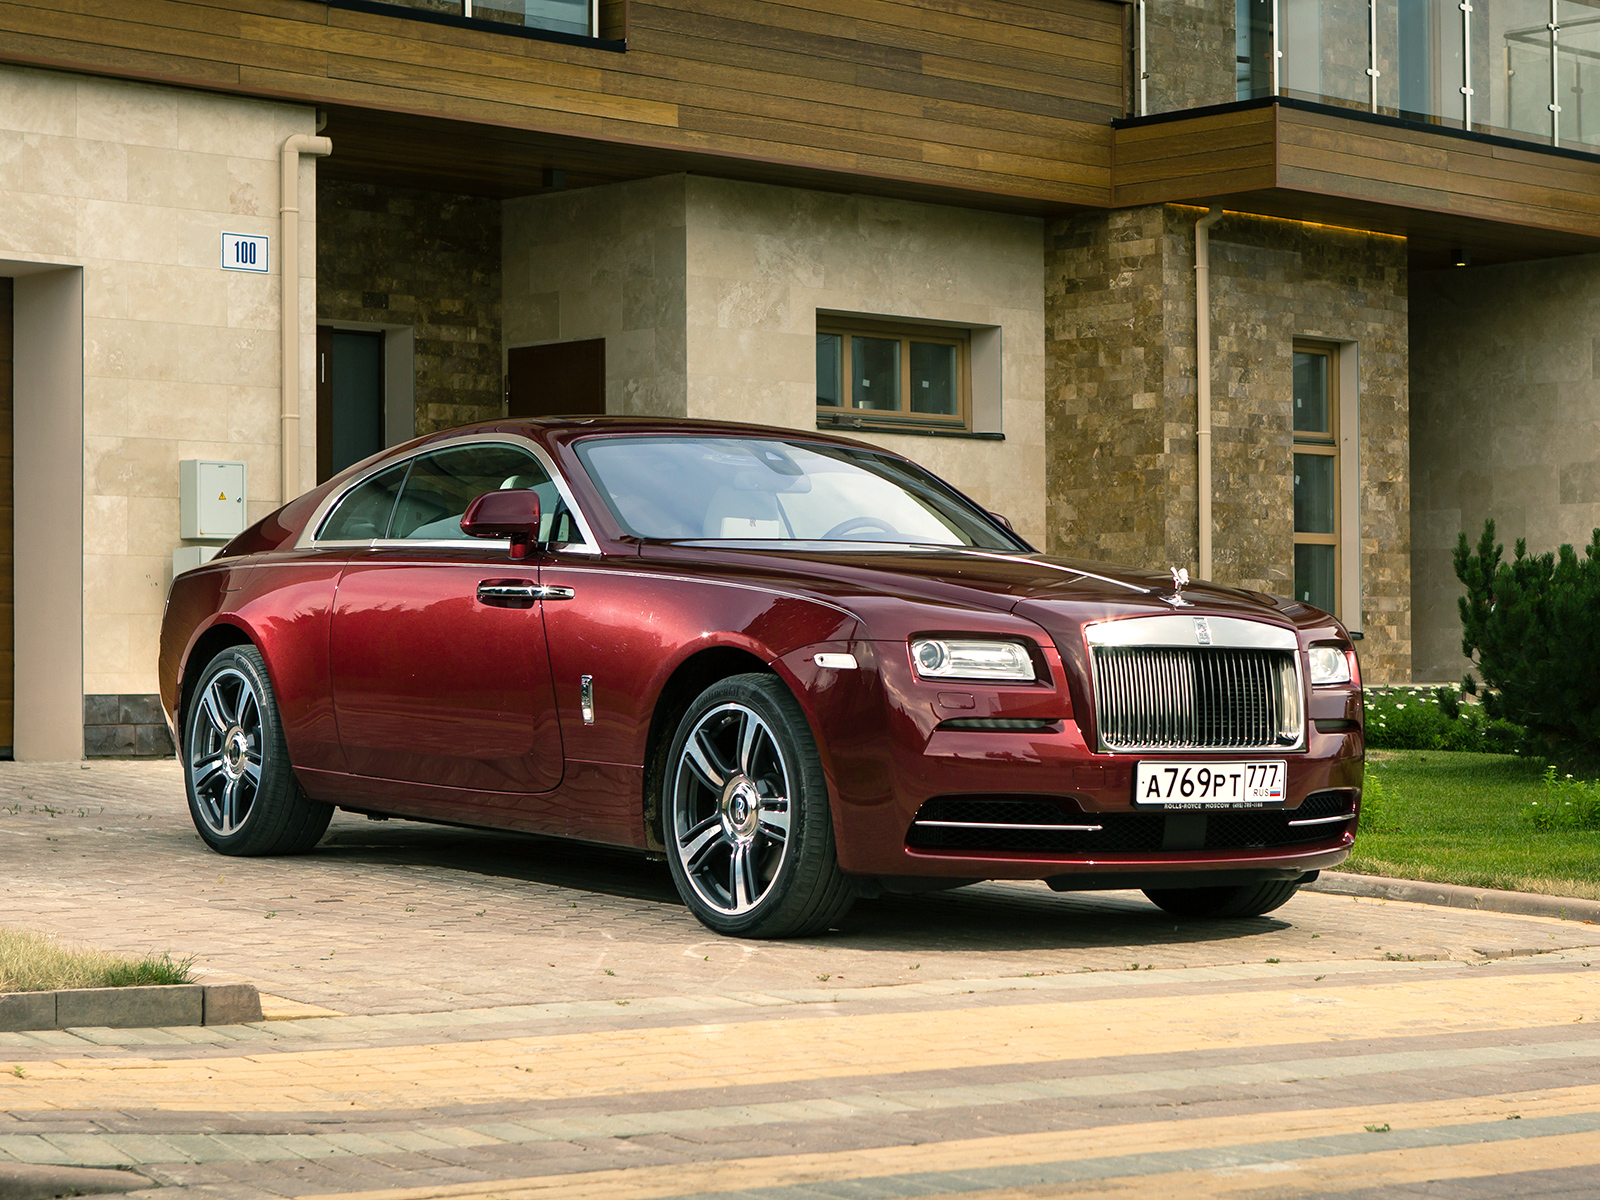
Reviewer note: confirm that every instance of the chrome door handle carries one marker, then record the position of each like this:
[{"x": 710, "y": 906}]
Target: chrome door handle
[
  {"x": 507, "y": 591},
  {"x": 490, "y": 590}
]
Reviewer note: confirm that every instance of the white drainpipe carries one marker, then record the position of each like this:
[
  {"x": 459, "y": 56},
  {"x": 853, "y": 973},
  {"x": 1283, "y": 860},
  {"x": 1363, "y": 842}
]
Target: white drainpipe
[
  {"x": 1202, "y": 346},
  {"x": 289, "y": 271}
]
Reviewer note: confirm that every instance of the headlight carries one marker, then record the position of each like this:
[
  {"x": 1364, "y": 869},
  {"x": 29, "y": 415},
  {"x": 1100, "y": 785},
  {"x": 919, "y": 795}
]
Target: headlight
[
  {"x": 943, "y": 658},
  {"x": 1329, "y": 664}
]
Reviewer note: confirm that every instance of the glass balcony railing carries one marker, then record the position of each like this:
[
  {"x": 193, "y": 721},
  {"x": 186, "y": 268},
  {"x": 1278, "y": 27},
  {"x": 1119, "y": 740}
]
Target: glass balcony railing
[
  {"x": 1520, "y": 68},
  {"x": 558, "y": 16}
]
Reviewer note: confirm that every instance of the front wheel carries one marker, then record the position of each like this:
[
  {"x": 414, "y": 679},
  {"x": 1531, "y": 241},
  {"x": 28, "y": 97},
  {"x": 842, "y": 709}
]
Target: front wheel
[
  {"x": 243, "y": 795},
  {"x": 1246, "y": 900},
  {"x": 748, "y": 829}
]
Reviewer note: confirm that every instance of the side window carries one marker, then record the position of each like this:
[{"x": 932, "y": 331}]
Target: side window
[
  {"x": 364, "y": 513},
  {"x": 443, "y": 483}
]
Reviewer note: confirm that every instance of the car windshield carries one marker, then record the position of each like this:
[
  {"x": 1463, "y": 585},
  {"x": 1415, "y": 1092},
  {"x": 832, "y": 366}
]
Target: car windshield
[{"x": 767, "y": 490}]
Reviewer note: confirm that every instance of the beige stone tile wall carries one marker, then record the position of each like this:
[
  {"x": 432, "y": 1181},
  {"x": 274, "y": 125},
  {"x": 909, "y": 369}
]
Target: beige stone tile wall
[
  {"x": 431, "y": 260},
  {"x": 707, "y": 291},
  {"x": 604, "y": 262},
  {"x": 763, "y": 260},
  {"x": 1505, "y": 424},
  {"x": 137, "y": 183},
  {"x": 1190, "y": 55},
  {"x": 1122, "y": 399}
]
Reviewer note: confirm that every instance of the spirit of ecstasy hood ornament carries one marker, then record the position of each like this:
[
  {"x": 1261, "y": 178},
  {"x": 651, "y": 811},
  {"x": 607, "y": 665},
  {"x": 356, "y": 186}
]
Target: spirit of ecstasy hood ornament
[{"x": 1180, "y": 580}]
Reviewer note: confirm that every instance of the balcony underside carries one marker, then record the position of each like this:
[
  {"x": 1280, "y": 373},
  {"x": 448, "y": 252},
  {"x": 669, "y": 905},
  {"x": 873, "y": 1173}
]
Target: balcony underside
[{"x": 1446, "y": 191}]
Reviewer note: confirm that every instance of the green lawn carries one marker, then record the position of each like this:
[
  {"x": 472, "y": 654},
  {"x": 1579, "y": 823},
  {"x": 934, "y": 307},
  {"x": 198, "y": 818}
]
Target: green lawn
[{"x": 1459, "y": 818}]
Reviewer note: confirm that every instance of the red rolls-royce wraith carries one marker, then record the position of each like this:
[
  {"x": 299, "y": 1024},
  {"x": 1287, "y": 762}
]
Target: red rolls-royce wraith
[{"x": 800, "y": 668}]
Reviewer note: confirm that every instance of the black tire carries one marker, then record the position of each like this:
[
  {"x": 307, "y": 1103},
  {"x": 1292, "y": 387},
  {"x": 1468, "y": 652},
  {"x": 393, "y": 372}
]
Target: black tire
[
  {"x": 1246, "y": 900},
  {"x": 243, "y": 795},
  {"x": 721, "y": 805}
]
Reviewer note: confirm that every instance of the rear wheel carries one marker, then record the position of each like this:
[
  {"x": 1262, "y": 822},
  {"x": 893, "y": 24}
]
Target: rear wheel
[
  {"x": 243, "y": 795},
  {"x": 748, "y": 828},
  {"x": 1246, "y": 900}
]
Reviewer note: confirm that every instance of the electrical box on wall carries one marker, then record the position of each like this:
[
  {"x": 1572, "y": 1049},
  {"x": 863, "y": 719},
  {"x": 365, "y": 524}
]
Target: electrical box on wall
[{"x": 211, "y": 499}]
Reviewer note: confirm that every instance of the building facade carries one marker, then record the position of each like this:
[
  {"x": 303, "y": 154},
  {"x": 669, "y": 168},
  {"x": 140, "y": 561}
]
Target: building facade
[{"x": 1292, "y": 291}]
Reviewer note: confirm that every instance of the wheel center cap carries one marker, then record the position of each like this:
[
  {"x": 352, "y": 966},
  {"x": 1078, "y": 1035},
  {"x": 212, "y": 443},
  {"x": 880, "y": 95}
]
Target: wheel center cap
[
  {"x": 234, "y": 748},
  {"x": 741, "y": 808}
]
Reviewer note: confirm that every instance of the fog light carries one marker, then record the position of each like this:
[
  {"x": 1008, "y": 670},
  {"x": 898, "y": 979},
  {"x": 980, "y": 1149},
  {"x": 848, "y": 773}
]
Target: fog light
[
  {"x": 943, "y": 658},
  {"x": 1329, "y": 664}
]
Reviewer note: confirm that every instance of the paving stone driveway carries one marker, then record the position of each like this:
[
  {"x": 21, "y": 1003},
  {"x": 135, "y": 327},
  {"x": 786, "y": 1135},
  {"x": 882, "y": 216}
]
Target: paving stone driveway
[
  {"x": 529, "y": 1019},
  {"x": 396, "y": 916}
]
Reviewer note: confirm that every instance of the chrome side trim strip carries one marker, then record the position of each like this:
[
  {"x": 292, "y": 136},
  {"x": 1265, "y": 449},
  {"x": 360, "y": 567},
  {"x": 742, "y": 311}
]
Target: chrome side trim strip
[
  {"x": 995, "y": 825},
  {"x": 1349, "y": 816}
]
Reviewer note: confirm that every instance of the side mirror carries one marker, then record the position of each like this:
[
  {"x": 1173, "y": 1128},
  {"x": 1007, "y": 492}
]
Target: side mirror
[
  {"x": 513, "y": 514},
  {"x": 1006, "y": 521}
]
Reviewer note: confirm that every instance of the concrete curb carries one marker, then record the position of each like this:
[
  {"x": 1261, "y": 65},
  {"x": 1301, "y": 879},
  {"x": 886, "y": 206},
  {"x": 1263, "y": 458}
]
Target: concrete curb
[
  {"x": 1450, "y": 895},
  {"x": 130, "y": 1007},
  {"x": 30, "y": 1181}
]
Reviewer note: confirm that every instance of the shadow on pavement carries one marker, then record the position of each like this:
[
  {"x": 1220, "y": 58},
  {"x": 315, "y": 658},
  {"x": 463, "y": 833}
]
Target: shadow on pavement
[{"x": 985, "y": 916}]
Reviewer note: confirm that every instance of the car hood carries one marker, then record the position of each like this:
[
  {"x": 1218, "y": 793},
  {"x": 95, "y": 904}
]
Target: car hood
[{"x": 1053, "y": 592}]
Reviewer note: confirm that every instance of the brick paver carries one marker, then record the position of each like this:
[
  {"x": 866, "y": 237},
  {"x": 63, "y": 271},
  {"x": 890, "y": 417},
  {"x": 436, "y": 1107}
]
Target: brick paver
[{"x": 527, "y": 1018}]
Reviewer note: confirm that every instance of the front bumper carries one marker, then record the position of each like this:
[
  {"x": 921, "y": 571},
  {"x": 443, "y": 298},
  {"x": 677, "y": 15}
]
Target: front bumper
[{"x": 891, "y": 753}]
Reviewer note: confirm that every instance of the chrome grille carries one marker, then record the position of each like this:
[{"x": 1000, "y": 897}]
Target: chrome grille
[{"x": 1205, "y": 698}]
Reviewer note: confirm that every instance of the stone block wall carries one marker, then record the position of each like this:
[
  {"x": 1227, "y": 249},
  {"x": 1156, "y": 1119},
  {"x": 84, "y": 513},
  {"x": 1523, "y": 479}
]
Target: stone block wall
[
  {"x": 431, "y": 260},
  {"x": 1505, "y": 424},
  {"x": 135, "y": 184},
  {"x": 605, "y": 262},
  {"x": 1190, "y": 54},
  {"x": 1121, "y": 397}
]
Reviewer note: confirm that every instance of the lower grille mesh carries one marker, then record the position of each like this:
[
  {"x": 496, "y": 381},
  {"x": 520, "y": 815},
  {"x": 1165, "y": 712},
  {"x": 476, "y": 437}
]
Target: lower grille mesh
[{"x": 1119, "y": 832}]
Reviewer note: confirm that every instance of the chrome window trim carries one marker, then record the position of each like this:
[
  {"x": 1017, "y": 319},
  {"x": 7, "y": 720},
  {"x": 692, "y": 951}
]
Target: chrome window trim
[{"x": 308, "y": 540}]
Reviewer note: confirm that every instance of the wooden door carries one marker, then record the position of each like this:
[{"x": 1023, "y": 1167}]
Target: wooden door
[{"x": 564, "y": 379}]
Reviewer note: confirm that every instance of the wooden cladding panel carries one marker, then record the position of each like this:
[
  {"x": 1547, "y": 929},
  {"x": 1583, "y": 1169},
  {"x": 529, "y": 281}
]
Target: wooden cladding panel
[
  {"x": 1283, "y": 161},
  {"x": 1209, "y": 155},
  {"x": 1001, "y": 98},
  {"x": 1483, "y": 180}
]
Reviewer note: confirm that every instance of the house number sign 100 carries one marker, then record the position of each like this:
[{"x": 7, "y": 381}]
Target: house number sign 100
[{"x": 243, "y": 252}]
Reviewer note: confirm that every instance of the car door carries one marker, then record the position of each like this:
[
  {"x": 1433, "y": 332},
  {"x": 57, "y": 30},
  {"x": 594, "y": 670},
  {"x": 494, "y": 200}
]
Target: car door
[{"x": 439, "y": 666}]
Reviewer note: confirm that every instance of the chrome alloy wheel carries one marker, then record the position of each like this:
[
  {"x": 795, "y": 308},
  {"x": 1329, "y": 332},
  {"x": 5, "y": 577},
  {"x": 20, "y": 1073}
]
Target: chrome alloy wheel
[
  {"x": 730, "y": 811},
  {"x": 225, "y": 751}
]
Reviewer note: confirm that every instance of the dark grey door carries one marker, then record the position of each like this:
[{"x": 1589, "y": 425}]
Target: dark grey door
[{"x": 349, "y": 398}]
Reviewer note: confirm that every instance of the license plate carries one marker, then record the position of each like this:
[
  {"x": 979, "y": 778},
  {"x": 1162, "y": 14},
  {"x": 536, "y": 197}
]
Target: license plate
[{"x": 1210, "y": 785}]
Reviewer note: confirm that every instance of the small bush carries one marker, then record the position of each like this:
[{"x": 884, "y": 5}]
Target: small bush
[
  {"x": 1567, "y": 803},
  {"x": 30, "y": 962},
  {"x": 1530, "y": 625},
  {"x": 1417, "y": 718},
  {"x": 1377, "y": 805}
]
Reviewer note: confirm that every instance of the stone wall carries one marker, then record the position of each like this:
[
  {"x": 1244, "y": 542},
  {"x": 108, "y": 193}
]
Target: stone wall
[
  {"x": 764, "y": 260},
  {"x": 431, "y": 260},
  {"x": 605, "y": 262},
  {"x": 1505, "y": 424},
  {"x": 707, "y": 293},
  {"x": 136, "y": 184},
  {"x": 1121, "y": 463},
  {"x": 1190, "y": 56}
]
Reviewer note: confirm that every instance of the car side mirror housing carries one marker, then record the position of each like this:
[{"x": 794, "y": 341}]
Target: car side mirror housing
[
  {"x": 1004, "y": 520},
  {"x": 513, "y": 513}
]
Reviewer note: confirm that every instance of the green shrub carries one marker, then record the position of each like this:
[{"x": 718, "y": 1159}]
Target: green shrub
[
  {"x": 1377, "y": 805},
  {"x": 1567, "y": 803},
  {"x": 1417, "y": 718},
  {"x": 1531, "y": 626}
]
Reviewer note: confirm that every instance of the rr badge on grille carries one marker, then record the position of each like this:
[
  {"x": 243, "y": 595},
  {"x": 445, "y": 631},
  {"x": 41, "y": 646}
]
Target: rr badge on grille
[{"x": 1202, "y": 631}]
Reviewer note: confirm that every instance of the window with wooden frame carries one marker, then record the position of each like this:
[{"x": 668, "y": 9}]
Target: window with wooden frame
[
  {"x": 881, "y": 375},
  {"x": 1316, "y": 475}
]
